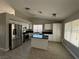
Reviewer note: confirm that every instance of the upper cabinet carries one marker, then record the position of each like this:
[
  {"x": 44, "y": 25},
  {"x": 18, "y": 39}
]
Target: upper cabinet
[{"x": 47, "y": 27}]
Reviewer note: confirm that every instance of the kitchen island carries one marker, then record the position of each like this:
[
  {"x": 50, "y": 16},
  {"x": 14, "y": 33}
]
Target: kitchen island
[{"x": 39, "y": 41}]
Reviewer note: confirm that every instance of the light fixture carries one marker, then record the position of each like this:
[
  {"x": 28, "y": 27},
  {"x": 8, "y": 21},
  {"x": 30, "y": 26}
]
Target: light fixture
[
  {"x": 27, "y": 8},
  {"x": 40, "y": 12},
  {"x": 54, "y": 14}
]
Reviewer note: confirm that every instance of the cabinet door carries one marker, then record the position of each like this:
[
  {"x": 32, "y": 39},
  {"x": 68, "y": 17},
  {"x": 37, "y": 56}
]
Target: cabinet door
[
  {"x": 47, "y": 27},
  {"x": 57, "y": 28}
]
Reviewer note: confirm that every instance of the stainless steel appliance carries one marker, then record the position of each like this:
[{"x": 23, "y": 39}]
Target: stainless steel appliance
[{"x": 15, "y": 35}]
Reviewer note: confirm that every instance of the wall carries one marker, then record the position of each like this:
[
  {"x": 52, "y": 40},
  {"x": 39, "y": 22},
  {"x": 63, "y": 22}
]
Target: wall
[
  {"x": 25, "y": 17},
  {"x": 43, "y": 21},
  {"x": 2, "y": 31},
  {"x": 74, "y": 50}
]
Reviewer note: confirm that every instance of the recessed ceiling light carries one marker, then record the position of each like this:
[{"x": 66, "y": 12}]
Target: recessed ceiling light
[
  {"x": 40, "y": 12},
  {"x": 54, "y": 14},
  {"x": 27, "y": 8}
]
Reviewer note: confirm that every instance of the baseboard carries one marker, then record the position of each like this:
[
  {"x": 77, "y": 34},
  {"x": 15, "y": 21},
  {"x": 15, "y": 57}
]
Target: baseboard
[
  {"x": 4, "y": 49},
  {"x": 54, "y": 41},
  {"x": 70, "y": 51}
]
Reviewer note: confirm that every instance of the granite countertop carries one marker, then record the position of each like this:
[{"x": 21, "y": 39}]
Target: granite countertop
[{"x": 40, "y": 38}]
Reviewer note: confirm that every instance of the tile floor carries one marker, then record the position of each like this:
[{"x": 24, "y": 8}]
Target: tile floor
[{"x": 55, "y": 51}]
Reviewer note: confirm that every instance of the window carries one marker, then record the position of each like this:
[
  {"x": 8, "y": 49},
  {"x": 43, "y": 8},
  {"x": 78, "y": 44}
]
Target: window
[
  {"x": 68, "y": 31},
  {"x": 38, "y": 28},
  {"x": 72, "y": 32}
]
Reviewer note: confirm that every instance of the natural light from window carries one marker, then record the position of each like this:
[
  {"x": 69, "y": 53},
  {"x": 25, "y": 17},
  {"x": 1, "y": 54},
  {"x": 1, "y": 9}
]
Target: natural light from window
[
  {"x": 72, "y": 32},
  {"x": 38, "y": 28}
]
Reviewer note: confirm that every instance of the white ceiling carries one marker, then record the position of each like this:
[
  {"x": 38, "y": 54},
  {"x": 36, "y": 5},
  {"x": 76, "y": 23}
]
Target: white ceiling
[{"x": 63, "y": 8}]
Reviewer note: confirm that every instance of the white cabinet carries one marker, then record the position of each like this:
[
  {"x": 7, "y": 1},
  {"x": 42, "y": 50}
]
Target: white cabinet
[
  {"x": 39, "y": 43},
  {"x": 50, "y": 37},
  {"x": 57, "y": 32},
  {"x": 47, "y": 27}
]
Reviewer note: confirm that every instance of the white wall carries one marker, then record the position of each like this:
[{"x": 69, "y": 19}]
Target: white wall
[{"x": 2, "y": 31}]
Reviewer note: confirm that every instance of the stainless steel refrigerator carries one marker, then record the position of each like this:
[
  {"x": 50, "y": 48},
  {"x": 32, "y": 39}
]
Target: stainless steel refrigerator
[{"x": 15, "y": 35}]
